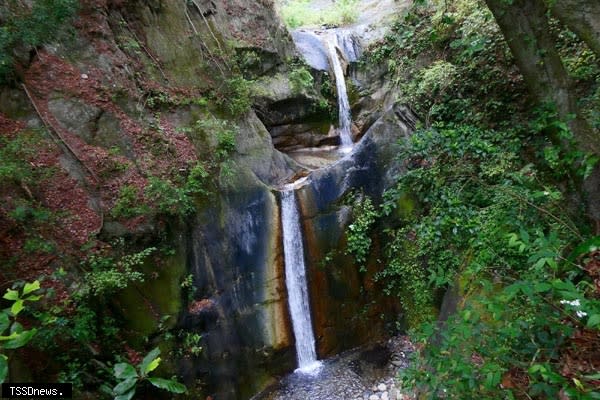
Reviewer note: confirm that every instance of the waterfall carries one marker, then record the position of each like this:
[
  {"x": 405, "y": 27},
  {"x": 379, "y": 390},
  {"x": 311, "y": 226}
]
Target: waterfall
[
  {"x": 295, "y": 279},
  {"x": 340, "y": 83}
]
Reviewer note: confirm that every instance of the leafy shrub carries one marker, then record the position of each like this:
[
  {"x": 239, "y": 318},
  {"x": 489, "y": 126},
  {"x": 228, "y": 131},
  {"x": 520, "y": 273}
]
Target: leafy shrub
[
  {"x": 301, "y": 79},
  {"x": 129, "y": 376},
  {"x": 453, "y": 65},
  {"x": 168, "y": 198},
  {"x": 359, "y": 241},
  {"x": 107, "y": 274},
  {"x": 225, "y": 134},
  {"x": 197, "y": 181},
  {"x": 235, "y": 95},
  {"x": 128, "y": 203}
]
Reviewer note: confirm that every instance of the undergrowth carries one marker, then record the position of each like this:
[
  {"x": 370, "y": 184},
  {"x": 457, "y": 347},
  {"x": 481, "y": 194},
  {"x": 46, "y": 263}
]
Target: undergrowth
[{"x": 491, "y": 214}]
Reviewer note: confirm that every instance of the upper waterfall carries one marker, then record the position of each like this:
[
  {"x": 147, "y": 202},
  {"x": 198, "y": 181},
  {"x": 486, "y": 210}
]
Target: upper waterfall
[{"x": 345, "y": 117}]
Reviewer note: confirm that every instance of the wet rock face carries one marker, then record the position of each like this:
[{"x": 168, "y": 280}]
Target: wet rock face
[
  {"x": 239, "y": 302},
  {"x": 341, "y": 295},
  {"x": 288, "y": 138},
  {"x": 311, "y": 46}
]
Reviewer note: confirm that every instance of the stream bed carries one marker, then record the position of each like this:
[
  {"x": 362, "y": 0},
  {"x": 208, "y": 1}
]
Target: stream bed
[{"x": 366, "y": 373}]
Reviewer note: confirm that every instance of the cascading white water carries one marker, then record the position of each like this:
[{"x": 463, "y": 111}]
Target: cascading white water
[
  {"x": 340, "y": 83},
  {"x": 295, "y": 279}
]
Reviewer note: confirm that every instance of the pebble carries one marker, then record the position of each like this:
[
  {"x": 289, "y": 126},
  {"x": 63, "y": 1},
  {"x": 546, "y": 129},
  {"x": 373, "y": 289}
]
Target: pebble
[
  {"x": 84, "y": 76},
  {"x": 373, "y": 397},
  {"x": 385, "y": 396},
  {"x": 382, "y": 387}
]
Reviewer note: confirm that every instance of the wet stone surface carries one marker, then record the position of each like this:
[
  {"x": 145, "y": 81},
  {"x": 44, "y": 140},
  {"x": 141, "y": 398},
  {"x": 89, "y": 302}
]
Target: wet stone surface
[{"x": 365, "y": 373}]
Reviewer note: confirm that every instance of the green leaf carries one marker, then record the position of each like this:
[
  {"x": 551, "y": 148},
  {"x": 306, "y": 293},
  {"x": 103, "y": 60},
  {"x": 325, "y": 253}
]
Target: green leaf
[
  {"x": 593, "y": 321},
  {"x": 542, "y": 287},
  {"x": 4, "y": 321},
  {"x": 124, "y": 371},
  {"x": 10, "y": 337},
  {"x": 152, "y": 366},
  {"x": 17, "y": 307},
  {"x": 16, "y": 327},
  {"x": 11, "y": 295},
  {"x": 150, "y": 357},
  {"x": 168, "y": 384},
  {"x": 125, "y": 386},
  {"x": 126, "y": 396},
  {"x": 30, "y": 287},
  {"x": 20, "y": 340},
  {"x": 3, "y": 367}
]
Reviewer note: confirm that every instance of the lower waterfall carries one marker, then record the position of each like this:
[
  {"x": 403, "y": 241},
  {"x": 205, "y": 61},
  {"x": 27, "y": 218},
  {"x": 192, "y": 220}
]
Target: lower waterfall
[{"x": 295, "y": 278}]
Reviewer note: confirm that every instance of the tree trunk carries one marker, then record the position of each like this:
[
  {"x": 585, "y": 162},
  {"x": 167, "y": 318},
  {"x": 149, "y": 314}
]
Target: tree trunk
[
  {"x": 524, "y": 24},
  {"x": 582, "y": 17}
]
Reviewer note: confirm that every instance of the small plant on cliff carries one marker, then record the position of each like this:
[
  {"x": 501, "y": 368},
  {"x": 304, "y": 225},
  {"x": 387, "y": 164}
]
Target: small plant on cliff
[
  {"x": 107, "y": 274},
  {"x": 235, "y": 95},
  {"x": 301, "y": 79},
  {"x": 129, "y": 376},
  {"x": 359, "y": 241},
  {"x": 128, "y": 204},
  {"x": 225, "y": 134},
  {"x": 168, "y": 198}
]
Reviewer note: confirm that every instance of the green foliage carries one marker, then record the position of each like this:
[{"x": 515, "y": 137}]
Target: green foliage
[
  {"x": 235, "y": 95},
  {"x": 129, "y": 377},
  {"x": 190, "y": 344},
  {"x": 106, "y": 274},
  {"x": 493, "y": 223},
  {"x": 168, "y": 198},
  {"x": 128, "y": 203},
  {"x": 197, "y": 180},
  {"x": 31, "y": 27},
  {"x": 406, "y": 277},
  {"x": 301, "y": 79},
  {"x": 225, "y": 134},
  {"x": 163, "y": 196},
  {"x": 15, "y": 153},
  {"x": 12, "y": 334},
  {"x": 249, "y": 62},
  {"x": 453, "y": 65},
  {"x": 359, "y": 241},
  {"x": 565, "y": 161},
  {"x": 298, "y": 13}
]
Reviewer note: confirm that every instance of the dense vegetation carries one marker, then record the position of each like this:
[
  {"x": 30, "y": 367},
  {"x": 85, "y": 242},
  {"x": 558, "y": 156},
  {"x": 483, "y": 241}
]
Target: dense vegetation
[{"x": 491, "y": 205}]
